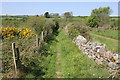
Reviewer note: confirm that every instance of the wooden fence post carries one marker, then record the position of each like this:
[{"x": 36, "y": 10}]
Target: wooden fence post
[
  {"x": 42, "y": 36},
  {"x": 37, "y": 41},
  {"x": 13, "y": 49},
  {"x": 17, "y": 55}
]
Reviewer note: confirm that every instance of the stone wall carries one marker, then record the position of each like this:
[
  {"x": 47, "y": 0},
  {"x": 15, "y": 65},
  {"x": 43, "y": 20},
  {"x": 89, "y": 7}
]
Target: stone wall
[
  {"x": 106, "y": 28},
  {"x": 98, "y": 52}
]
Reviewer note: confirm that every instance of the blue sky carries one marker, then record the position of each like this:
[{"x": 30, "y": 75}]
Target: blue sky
[{"x": 38, "y": 8}]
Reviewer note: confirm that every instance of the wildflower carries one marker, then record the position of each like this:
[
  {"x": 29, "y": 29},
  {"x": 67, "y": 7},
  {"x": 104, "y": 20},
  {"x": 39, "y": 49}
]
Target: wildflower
[{"x": 12, "y": 36}]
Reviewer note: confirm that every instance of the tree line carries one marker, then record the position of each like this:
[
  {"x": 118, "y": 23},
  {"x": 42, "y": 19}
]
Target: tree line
[{"x": 99, "y": 17}]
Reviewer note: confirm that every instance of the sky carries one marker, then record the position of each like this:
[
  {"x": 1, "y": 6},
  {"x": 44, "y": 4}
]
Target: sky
[
  {"x": 38, "y": 8},
  {"x": 60, "y": 0}
]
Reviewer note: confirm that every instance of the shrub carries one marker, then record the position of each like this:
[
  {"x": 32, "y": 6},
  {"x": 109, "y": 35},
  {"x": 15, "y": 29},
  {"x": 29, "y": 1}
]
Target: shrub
[
  {"x": 99, "y": 17},
  {"x": 11, "y": 32},
  {"x": 25, "y": 32},
  {"x": 12, "y": 22},
  {"x": 114, "y": 22},
  {"x": 75, "y": 29},
  {"x": 92, "y": 22},
  {"x": 37, "y": 23}
]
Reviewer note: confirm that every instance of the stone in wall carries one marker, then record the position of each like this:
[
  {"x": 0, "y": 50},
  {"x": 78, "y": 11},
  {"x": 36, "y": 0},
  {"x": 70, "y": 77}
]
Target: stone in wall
[
  {"x": 116, "y": 56},
  {"x": 98, "y": 52},
  {"x": 101, "y": 49},
  {"x": 98, "y": 61},
  {"x": 93, "y": 57},
  {"x": 107, "y": 54},
  {"x": 81, "y": 40},
  {"x": 113, "y": 65}
]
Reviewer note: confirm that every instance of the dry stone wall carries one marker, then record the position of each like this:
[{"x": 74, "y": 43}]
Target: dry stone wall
[{"x": 98, "y": 52}]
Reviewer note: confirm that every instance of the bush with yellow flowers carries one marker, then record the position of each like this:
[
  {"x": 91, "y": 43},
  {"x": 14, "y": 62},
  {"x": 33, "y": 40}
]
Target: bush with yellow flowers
[
  {"x": 8, "y": 32},
  {"x": 26, "y": 33},
  {"x": 11, "y": 32}
]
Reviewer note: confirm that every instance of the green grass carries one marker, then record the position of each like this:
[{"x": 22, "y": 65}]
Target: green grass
[
  {"x": 49, "y": 64},
  {"x": 50, "y": 60},
  {"x": 74, "y": 64},
  {"x": 111, "y": 34},
  {"x": 77, "y": 65},
  {"x": 107, "y": 33},
  {"x": 112, "y": 46}
]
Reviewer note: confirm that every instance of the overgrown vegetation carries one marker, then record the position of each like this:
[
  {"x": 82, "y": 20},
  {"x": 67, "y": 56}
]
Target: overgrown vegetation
[
  {"x": 39, "y": 60},
  {"x": 31, "y": 56},
  {"x": 74, "y": 29},
  {"x": 11, "y": 32},
  {"x": 12, "y": 22},
  {"x": 99, "y": 17}
]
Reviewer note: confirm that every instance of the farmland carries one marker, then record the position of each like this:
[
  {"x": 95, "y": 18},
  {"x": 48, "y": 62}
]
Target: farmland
[
  {"x": 108, "y": 37},
  {"x": 56, "y": 55},
  {"x": 54, "y": 46}
]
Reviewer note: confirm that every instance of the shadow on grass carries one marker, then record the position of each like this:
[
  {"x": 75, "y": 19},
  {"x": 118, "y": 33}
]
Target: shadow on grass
[{"x": 49, "y": 39}]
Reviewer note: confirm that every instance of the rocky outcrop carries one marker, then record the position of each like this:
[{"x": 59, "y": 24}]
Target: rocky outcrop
[{"x": 98, "y": 52}]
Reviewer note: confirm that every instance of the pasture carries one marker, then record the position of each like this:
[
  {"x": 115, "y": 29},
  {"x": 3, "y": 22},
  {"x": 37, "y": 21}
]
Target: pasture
[{"x": 42, "y": 46}]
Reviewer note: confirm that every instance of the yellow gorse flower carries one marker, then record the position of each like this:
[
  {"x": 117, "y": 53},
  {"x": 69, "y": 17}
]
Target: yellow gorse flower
[
  {"x": 11, "y": 32},
  {"x": 26, "y": 33}
]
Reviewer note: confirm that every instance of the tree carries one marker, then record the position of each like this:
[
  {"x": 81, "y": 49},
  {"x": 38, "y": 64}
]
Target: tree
[
  {"x": 99, "y": 17},
  {"x": 92, "y": 21},
  {"x": 68, "y": 15},
  {"x": 47, "y": 15}
]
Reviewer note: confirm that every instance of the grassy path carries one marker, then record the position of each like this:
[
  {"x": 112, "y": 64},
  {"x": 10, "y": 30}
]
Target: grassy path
[
  {"x": 68, "y": 61},
  {"x": 58, "y": 61}
]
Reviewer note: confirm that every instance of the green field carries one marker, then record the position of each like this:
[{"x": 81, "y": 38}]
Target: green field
[
  {"x": 107, "y": 33},
  {"x": 108, "y": 37}
]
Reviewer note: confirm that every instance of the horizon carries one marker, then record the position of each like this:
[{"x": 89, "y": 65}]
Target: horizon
[
  {"x": 39, "y": 8},
  {"x": 60, "y": 15}
]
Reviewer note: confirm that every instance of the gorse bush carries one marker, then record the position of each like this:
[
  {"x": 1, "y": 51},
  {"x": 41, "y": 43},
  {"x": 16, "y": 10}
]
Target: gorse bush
[
  {"x": 11, "y": 32},
  {"x": 31, "y": 56},
  {"x": 75, "y": 29},
  {"x": 25, "y": 32}
]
